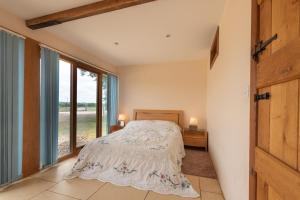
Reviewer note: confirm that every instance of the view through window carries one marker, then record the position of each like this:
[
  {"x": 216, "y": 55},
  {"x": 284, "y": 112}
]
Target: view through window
[
  {"x": 64, "y": 143},
  {"x": 86, "y": 107},
  {"x": 78, "y": 92},
  {"x": 104, "y": 104}
]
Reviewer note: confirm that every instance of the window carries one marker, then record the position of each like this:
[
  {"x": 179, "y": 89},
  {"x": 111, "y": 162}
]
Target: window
[
  {"x": 104, "y": 105},
  {"x": 214, "y": 51},
  {"x": 86, "y": 106},
  {"x": 64, "y": 126}
]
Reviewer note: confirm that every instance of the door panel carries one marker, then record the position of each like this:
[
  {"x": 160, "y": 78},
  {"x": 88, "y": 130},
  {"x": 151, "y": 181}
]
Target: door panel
[
  {"x": 262, "y": 189},
  {"x": 284, "y": 122},
  {"x": 64, "y": 125},
  {"x": 282, "y": 178},
  {"x": 277, "y": 153},
  {"x": 285, "y": 22},
  {"x": 273, "y": 195},
  {"x": 282, "y": 66},
  {"x": 266, "y": 25},
  {"x": 299, "y": 130},
  {"x": 105, "y": 128},
  {"x": 263, "y": 132},
  {"x": 86, "y": 107}
]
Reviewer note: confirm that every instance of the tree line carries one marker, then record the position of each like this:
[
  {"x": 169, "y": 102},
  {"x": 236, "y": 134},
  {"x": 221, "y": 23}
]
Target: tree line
[{"x": 67, "y": 104}]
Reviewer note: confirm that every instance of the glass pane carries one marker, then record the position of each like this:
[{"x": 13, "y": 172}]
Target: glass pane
[
  {"x": 86, "y": 107},
  {"x": 104, "y": 105},
  {"x": 64, "y": 108}
]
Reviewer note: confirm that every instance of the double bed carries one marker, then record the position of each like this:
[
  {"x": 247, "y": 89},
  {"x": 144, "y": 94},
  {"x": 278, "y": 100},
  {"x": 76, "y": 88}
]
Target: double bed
[{"x": 146, "y": 154}]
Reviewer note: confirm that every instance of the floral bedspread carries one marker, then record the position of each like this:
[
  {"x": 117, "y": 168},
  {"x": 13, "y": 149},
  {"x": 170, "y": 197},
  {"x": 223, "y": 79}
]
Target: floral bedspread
[{"x": 145, "y": 154}]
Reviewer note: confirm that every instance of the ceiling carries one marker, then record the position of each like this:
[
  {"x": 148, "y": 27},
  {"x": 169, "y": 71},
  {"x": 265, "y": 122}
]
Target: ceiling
[{"x": 140, "y": 31}]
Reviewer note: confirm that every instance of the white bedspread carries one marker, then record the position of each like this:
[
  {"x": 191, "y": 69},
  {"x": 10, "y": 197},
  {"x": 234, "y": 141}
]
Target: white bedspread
[{"x": 145, "y": 154}]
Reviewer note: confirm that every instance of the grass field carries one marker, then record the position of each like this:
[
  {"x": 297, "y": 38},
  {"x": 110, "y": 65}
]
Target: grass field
[{"x": 86, "y": 128}]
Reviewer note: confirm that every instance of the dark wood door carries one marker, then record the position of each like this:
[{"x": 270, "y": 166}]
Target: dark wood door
[{"x": 277, "y": 153}]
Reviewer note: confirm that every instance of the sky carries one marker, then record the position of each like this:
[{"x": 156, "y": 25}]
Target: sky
[{"x": 86, "y": 85}]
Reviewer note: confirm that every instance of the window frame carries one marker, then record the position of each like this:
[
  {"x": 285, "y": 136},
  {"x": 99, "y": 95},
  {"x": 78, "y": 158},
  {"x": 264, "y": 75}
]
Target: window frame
[
  {"x": 71, "y": 110},
  {"x": 75, "y": 64}
]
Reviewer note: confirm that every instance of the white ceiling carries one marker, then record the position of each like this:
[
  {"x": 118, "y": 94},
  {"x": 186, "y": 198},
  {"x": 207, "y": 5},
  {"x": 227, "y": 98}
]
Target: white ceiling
[{"x": 139, "y": 30}]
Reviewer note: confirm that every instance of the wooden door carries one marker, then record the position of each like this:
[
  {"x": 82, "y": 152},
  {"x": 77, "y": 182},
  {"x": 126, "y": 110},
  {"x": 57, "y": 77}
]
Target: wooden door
[{"x": 277, "y": 152}]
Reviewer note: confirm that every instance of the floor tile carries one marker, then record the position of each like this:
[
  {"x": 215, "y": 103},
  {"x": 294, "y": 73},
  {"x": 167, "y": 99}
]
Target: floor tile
[
  {"x": 195, "y": 182},
  {"x": 155, "y": 196},
  {"x": 25, "y": 189},
  {"x": 52, "y": 196},
  {"x": 210, "y": 185},
  {"x": 211, "y": 196},
  {"x": 78, "y": 188},
  {"x": 113, "y": 192},
  {"x": 69, "y": 161},
  {"x": 57, "y": 173},
  {"x": 50, "y": 185}
]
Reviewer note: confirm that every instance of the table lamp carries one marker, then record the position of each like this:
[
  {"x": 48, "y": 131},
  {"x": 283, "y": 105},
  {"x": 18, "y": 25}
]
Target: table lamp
[
  {"x": 193, "y": 124},
  {"x": 122, "y": 119}
]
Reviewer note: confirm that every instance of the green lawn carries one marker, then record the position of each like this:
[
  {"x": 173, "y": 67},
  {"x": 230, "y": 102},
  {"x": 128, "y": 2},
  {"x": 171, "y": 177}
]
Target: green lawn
[
  {"x": 86, "y": 125},
  {"x": 82, "y": 108}
]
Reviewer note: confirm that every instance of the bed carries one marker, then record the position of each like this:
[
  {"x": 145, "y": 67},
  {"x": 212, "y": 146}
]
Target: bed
[{"x": 146, "y": 154}]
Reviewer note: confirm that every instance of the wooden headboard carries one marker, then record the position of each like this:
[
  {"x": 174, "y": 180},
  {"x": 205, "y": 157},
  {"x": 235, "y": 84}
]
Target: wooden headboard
[{"x": 167, "y": 115}]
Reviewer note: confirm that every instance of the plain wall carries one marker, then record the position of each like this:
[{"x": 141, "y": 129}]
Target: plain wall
[
  {"x": 228, "y": 103},
  {"x": 16, "y": 24},
  {"x": 174, "y": 86}
]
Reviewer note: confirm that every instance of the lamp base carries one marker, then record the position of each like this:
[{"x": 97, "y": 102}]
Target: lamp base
[
  {"x": 193, "y": 127},
  {"x": 122, "y": 123}
]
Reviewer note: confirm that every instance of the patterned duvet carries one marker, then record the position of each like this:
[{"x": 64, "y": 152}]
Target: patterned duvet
[{"x": 145, "y": 154}]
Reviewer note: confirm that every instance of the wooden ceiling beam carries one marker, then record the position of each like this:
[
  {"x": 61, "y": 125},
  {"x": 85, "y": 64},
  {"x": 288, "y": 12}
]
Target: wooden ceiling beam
[{"x": 81, "y": 12}]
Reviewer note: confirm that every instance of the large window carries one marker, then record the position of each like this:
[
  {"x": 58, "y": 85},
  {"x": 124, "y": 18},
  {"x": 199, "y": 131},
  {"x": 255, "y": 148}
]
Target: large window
[
  {"x": 104, "y": 105},
  {"x": 83, "y": 105},
  {"x": 86, "y": 106},
  {"x": 64, "y": 126}
]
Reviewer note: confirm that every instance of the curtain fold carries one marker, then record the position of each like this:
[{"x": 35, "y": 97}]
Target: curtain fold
[
  {"x": 112, "y": 104},
  {"x": 49, "y": 107},
  {"x": 11, "y": 106}
]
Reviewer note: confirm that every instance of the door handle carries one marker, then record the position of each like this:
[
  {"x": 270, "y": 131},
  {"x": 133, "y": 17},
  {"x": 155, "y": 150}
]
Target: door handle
[{"x": 263, "y": 96}]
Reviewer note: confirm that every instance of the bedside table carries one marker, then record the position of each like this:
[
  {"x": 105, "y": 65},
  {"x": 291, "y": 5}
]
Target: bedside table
[
  {"x": 195, "y": 138},
  {"x": 115, "y": 128}
]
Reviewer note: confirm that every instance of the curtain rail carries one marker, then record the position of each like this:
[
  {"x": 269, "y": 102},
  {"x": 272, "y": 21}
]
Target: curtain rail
[
  {"x": 12, "y": 32},
  {"x": 78, "y": 59},
  {"x": 61, "y": 52}
]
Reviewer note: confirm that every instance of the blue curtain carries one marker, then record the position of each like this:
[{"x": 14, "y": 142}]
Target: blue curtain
[
  {"x": 49, "y": 107},
  {"x": 11, "y": 106},
  {"x": 112, "y": 104}
]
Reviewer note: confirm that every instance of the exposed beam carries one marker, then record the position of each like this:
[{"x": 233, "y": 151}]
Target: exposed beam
[{"x": 81, "y": 12}]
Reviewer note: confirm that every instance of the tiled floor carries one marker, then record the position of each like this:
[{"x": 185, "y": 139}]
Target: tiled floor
[{"x": 50, "y": 185}]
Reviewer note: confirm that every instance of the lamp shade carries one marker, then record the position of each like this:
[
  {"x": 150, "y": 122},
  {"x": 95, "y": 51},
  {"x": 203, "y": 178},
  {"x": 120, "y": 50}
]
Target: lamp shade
[
  {"x": 193, "y": 121},
  {"x": 122, "y": 117}
]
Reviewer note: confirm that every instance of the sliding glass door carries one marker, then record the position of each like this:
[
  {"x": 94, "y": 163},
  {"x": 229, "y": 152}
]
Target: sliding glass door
[
  {"x": 104, "y": 105},
  {"x": 64, "y": 126},
  {"x": 83, "y": 105},
  {"x": 86, "y": 129}
]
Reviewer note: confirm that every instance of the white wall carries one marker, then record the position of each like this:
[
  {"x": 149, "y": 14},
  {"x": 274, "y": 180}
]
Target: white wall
[
  {"x": 14, "y": 23},
  {"x": 228, "y": 101},
  {"x": 175, "y": 86}
]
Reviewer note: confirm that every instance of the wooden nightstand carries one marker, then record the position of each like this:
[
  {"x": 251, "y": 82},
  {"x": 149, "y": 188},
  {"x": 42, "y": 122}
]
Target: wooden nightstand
[
  {"x": 195, "y": 138},
  {"x": 115, "y": 128}
]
